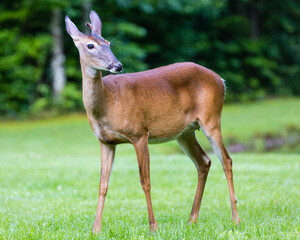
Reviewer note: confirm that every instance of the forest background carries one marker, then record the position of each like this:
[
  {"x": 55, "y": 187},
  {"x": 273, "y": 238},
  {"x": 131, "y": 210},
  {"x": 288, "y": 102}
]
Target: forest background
[{"x": 254, "y": 45}]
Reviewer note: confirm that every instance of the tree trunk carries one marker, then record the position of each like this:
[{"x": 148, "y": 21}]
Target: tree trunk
[
  {"x": 254, "y": 19},
  {"x": 86, "y": 8},
  {"x": 58, "y": 57},
  {"x": 255, "y": 8}
]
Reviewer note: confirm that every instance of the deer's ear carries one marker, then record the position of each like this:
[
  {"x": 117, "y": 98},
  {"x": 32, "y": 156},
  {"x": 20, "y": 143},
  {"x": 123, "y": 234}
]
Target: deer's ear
[
  {"x": 71, "y": 28},
  {"x": 96, "y": 23}
]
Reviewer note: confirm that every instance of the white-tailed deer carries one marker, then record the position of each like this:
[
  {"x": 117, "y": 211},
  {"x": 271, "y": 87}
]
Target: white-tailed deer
[{"x": 153, "y": 106}]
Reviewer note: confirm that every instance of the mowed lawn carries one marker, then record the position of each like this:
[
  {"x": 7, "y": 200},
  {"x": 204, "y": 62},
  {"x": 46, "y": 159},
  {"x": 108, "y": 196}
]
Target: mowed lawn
[{"x": 49, "y": 178}]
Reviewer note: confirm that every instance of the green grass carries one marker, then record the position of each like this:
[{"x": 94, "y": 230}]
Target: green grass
[
  {"x": 49, "y": 177},
  {"x": 276, "y": 116}
]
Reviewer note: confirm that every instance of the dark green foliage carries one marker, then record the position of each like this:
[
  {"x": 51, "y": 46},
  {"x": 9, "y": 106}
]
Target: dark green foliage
[
  {"x": 253, "y": 45},
  {"x": 24, "y": 54}
]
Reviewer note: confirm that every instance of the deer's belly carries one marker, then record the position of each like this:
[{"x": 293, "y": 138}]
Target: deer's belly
[
  {"x": 157, "y": 138},
  {"x": 108, "y": 134}
]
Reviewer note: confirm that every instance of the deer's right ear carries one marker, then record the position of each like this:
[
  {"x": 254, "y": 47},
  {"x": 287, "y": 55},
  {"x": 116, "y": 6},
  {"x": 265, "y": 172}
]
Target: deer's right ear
[{"x": 71, "y": 28}]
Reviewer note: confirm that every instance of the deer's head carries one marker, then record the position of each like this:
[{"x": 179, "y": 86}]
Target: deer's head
[{"x": 93, "y": 49}]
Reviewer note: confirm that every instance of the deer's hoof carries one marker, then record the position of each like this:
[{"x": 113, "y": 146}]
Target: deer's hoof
[
  {"x": 193, "y": 219},
  {"x": 96, "y": 230},
  {"x": 237, "y": 221},
  {"x": 153, "y": 228}
]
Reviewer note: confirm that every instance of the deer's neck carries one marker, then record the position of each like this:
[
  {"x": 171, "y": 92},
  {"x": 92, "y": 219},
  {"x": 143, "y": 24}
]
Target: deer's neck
[{"x": 92, "y": 90}]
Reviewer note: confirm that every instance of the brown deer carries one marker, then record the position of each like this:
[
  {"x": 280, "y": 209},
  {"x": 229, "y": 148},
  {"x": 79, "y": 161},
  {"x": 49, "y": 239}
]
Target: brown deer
[{"x": 153, "y": 106}]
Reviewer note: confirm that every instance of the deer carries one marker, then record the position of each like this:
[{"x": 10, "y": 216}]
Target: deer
[{"x": 153, "y": 106}]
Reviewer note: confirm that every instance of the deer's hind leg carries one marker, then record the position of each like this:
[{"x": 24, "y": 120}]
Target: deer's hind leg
[
  {"x": 191, "y": 147},
  {"x": 211, "y": 126}
]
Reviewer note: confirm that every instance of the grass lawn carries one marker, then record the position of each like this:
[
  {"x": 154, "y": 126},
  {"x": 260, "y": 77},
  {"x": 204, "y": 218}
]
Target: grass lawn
[{"x": 49, "y": 177}]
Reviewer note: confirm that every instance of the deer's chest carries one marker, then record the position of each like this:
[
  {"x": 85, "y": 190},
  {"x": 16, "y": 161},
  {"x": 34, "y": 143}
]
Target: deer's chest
[{"x": 105, "y": 133}]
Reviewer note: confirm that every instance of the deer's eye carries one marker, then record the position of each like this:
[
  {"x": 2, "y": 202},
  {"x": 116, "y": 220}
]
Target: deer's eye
[{"x": 90, "y": 46}]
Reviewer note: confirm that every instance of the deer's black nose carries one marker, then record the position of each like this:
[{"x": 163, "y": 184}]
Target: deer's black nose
[{"x": 119, "y": 67}]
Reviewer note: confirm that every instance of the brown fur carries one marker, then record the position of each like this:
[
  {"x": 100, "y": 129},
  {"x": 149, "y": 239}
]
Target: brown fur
[
  {"x": 153, "y": 106},
  {"x": 178, "y": 95}
]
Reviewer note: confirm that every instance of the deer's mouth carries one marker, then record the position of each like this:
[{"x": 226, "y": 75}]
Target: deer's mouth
[{"x": 114, "y": 71}]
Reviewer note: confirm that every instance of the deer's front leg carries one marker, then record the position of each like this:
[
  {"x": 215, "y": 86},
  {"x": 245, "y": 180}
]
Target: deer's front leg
[
  {"x": 142, "y": 152},
  {"x": 107, "y": 158}
]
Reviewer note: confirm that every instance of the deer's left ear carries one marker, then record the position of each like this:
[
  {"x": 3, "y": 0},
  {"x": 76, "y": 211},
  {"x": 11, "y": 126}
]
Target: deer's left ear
[
  {"x": 72, "y": 29},
  {"x": 96, "y": 25}
]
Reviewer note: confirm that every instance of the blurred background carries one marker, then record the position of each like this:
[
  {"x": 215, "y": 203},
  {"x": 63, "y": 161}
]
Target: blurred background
[{"x": 253, "y": 44}]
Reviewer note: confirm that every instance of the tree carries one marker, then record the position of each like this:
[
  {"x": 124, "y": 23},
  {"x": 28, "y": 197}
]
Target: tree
[{"x": 58, "y": 56}]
